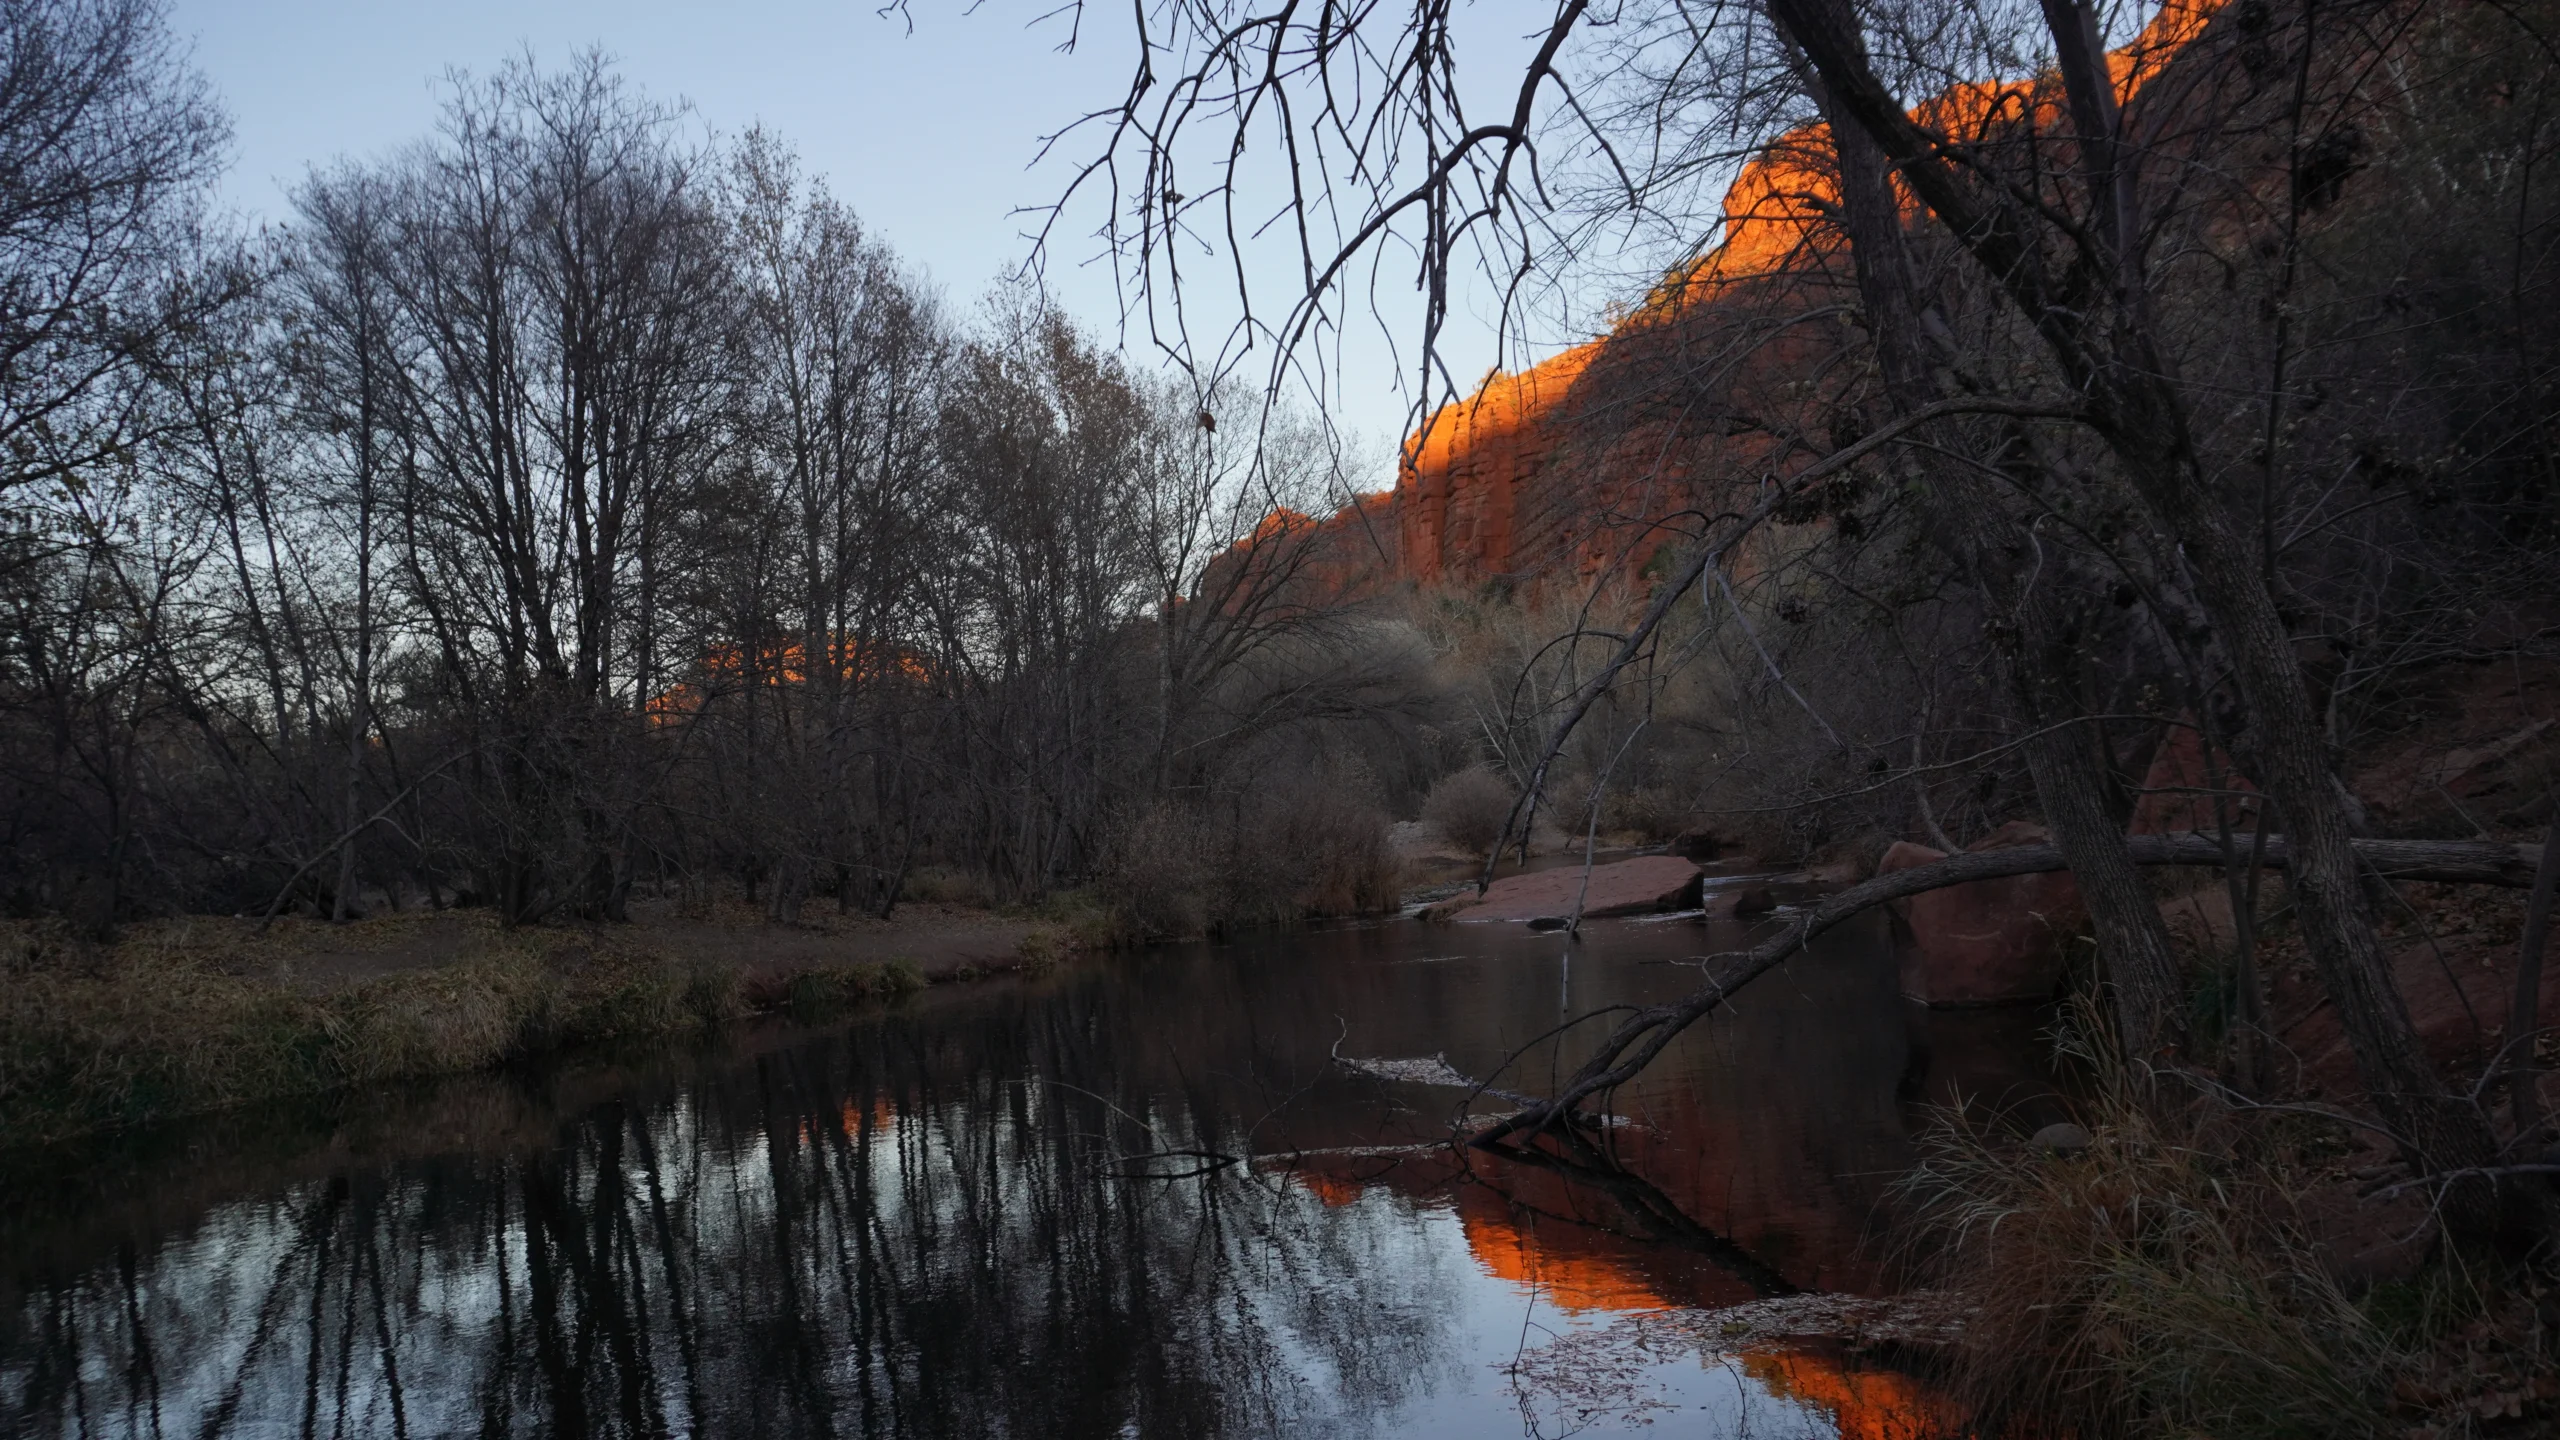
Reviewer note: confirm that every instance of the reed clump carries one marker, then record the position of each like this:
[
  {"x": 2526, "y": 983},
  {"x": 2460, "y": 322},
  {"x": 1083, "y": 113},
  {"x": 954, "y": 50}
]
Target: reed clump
[
  {"x": 829, "y": 990},
  {"x": 2159, "y": 1281}
]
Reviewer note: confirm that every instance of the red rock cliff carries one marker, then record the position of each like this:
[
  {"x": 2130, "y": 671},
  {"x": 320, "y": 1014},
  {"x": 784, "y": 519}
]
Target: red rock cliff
[{"x": 1563, "y": 472}]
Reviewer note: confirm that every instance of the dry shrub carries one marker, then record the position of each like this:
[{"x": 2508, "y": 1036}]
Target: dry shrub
[
  {"x": 1653, "y": 814},
  {"x": 1331, "y": 841},
  {"x": 1161, "y": 873},
  {"x": 945, "y": 885},
  {"x": 2159, "y": 1283},
  {"x": 1468, "y": 808},
  {"x": 1304, "y": 847}
]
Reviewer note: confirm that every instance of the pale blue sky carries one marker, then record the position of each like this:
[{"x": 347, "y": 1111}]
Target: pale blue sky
[{"x": 928, "y": 135}]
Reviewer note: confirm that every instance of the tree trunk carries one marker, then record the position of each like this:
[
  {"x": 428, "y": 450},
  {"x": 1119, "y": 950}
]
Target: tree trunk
[
  {"x": 2038, "y": 663},
  {"x": 2110, "y": 356}
]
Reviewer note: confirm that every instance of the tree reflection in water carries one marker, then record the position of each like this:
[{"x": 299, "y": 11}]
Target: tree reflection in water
[
  {"x": 802, "y": 1249},
  {"x": 961, "y": 1219}
]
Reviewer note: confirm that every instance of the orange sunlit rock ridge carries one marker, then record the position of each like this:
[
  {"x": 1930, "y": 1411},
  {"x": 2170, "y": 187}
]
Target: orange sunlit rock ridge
[
  {"x": 728, "y": 667},
  {"x": 1551, "y": 476}
]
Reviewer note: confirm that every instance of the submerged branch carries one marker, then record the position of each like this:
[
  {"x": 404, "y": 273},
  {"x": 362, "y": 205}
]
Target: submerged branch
[{"x": 1642, "y": 1036}]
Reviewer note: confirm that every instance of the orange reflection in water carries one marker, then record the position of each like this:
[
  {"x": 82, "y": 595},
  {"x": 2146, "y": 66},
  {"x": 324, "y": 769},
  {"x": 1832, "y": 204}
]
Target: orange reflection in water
[
  {"x": 1334, "y": 1190},
  {"x": 1864, "y": 1404},
  {"x": 853, "y": 1116},
  {"x": 1585, "y": 1270},
  {"x": 1574, "y": 1283}
]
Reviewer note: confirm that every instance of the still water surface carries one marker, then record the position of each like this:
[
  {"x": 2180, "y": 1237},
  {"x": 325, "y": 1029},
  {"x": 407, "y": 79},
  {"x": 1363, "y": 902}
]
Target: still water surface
[{"x": 1140, "y": 1196}]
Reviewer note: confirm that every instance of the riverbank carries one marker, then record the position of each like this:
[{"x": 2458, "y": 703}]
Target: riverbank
[{"x": 199, "y": 1013}]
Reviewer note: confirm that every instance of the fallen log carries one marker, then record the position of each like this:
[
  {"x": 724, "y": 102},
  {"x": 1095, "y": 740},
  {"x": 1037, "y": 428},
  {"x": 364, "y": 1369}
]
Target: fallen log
[{"x": 1642, "y": 1035}]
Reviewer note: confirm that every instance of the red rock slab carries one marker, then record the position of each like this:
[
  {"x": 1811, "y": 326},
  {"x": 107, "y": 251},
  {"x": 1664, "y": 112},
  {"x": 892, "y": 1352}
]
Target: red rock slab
[
  {"x": 2176, "y": 790},
  {"x": 1642, "y": 886},
  {"x": 1988, "y": 942}
]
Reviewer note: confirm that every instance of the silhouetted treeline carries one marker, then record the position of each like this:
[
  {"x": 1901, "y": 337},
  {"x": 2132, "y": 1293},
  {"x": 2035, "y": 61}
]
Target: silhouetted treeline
[{"x": 568, "y": 505}]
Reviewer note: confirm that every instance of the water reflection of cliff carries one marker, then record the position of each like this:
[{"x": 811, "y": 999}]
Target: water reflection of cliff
[
  {"x": 1775, "y": 1128},
  {"x": 1865, "y": 1402}
]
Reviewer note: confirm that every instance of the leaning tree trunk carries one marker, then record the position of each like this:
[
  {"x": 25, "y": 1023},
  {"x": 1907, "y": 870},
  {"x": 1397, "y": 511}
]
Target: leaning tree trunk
[
  {"x": 2339, "y": 926},
  {"x": 1642, "y": 1034},
  {"x": 2108, "y": 351},
  {"x": 2035, "y": 663}
]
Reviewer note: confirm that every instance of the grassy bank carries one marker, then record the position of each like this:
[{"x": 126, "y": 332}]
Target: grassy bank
[{"x": 186, "y": 1016}]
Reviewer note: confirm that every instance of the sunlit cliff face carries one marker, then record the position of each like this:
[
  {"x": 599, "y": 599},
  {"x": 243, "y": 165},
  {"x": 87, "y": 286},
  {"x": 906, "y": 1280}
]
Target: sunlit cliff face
[
  {"x": 1464, "y": 504},
  {"x": 1463, "y": 470}
]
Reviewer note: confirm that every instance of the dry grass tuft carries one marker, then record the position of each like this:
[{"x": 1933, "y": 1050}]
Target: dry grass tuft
[
  {"x": 830, "y": 990},
  {"x": 2159, "y": 1283}
]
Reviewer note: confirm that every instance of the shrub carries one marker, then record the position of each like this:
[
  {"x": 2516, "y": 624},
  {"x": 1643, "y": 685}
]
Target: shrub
[
  {"x": 1341, "y": 861},
  {"x": 1654, "y": 814},
  {"x": 944, "y": 884},
  {"x": 1468, "y": 808},
  {"x": 1161, "y": 874},
  {"x": 1293, "y": 849}
]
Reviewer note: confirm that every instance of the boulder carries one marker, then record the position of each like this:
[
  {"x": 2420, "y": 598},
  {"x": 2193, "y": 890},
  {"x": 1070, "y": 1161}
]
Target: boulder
[
  {"x": 2176, "y": 790},
  {"x": 1989, "y": 942},
  {"x": 1642, "y": 886}
]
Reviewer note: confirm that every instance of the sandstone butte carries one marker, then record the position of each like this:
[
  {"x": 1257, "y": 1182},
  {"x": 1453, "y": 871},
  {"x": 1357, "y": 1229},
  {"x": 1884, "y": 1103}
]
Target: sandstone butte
[{"x": 1562, "y": 474}]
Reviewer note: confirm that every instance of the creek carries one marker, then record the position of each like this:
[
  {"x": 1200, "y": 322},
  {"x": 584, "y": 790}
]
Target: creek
[{"x": 1141, "y": 1195}]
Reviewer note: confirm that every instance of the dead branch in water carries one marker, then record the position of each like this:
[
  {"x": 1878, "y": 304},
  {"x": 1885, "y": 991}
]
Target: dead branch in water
[{"x": 1642, "y": 1035}]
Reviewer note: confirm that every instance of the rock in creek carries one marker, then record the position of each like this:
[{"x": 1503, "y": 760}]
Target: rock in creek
[
  {"x": 2060, "y": 1138},
  {"x": 1754, "y": 900},
  {"x": 1642, "y": 886},
  {"x": 1988, "y": 942}
]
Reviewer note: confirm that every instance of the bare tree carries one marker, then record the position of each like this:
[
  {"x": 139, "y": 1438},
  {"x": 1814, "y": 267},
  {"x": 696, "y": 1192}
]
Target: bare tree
[
  {"x": 107, "y": 141},
  {"x": 2080, "y": 210}
]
